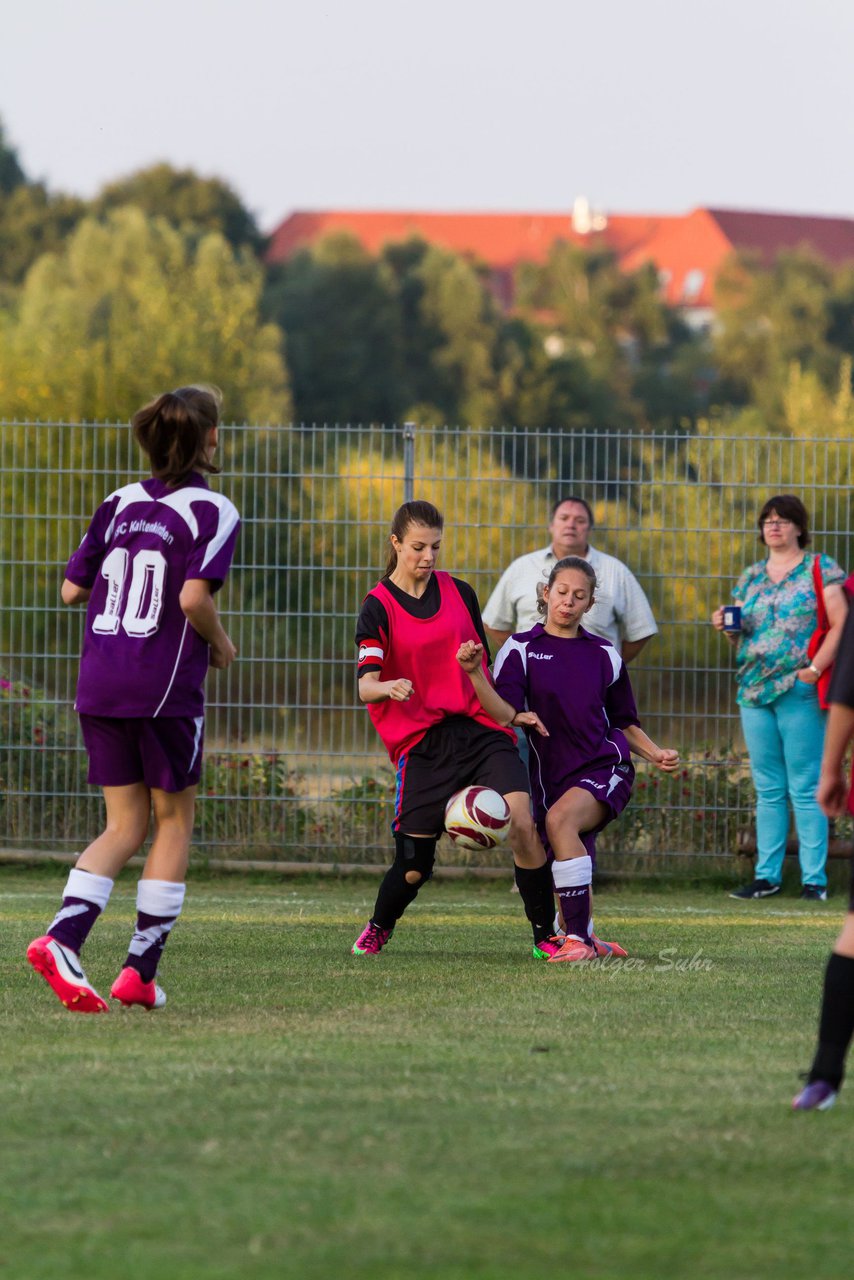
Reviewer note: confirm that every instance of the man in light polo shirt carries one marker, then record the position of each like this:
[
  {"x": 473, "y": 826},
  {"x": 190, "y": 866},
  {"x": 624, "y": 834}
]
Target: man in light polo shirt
[{"x": 621, "y": 611}]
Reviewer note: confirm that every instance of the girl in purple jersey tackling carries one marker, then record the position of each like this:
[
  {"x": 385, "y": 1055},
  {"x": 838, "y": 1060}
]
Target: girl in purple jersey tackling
[
  {"x": 573, "y": 689},
  {"x": 436, "y": 733},
  {"x": 147, "y": 568}
]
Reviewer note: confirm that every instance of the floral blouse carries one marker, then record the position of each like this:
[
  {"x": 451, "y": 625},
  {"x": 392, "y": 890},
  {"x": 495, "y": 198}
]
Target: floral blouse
[{"x": 777, "y": 621}]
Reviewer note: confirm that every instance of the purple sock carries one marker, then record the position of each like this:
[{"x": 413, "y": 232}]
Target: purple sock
[
  {"x": 588, "y": 839},
  {"x": 84, "y": 899},
  {"x": 158, "y": 905},
  {"x": 572, "y": 878}
]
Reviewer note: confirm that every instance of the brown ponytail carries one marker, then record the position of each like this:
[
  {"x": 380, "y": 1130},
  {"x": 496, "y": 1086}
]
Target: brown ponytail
[{"x": 173, "y": 430}]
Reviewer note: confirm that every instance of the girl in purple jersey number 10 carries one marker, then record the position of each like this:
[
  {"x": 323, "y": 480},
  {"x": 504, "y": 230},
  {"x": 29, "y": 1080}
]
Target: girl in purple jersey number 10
[
  {"x": 572, "y": 688},
  {"x": 153, "y": 556}
]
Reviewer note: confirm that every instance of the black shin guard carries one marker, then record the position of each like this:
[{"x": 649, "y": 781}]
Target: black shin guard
[
  {"x": 836, "y": 1026},
  {"x": 537, "y": 894},
  {"x": 414, "y": 854}
]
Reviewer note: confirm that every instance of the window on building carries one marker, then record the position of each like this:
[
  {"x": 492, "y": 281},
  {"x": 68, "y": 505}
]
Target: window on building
[{"x": 693, "y": 283}]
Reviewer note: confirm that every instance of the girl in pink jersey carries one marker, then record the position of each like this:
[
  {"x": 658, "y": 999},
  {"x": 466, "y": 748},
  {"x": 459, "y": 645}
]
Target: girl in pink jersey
[
  {"x": 147, "y": 568},
  {"x": 437, "y": 735}
]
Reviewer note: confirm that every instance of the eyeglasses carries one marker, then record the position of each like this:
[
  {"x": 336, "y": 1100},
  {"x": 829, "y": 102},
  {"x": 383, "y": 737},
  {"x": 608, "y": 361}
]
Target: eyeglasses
[{"x": 780, "y": 524}]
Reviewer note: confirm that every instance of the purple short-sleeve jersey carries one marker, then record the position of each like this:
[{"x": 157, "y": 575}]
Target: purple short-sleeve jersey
[
  {"x": 580, "y": 689},
  {"x": 140, "y": 655}
]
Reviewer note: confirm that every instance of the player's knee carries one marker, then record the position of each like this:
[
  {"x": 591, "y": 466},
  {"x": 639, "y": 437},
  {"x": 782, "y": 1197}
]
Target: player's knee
[
  {"x": 130, "y": 829},
  {"x": 174, "y": 813},
  {"x": 564, "y": 825},
  {"x": 522, "y": 826},
  {"x": 416, "y": 856},
  {"x": 523, "y": 834}
]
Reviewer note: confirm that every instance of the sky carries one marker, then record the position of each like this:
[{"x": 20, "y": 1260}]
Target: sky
[{"x": 479, "y": 105}]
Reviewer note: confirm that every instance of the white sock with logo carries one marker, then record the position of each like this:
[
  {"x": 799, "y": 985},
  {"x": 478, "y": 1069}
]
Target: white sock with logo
[
  {"x": 83, "y": 899},
  {"x": 158, "y": 905}
]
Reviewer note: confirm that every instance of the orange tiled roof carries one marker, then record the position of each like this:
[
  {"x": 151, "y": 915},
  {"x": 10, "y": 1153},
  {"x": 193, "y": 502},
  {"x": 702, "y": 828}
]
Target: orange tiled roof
[
  {"x": 687, "y": 249},
  {"x": 500, "y": 239}
]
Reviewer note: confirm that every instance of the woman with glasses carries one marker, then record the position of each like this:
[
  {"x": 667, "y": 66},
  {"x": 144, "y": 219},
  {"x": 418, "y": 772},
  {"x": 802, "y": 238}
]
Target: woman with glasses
[{"x": 781, "y": 719}]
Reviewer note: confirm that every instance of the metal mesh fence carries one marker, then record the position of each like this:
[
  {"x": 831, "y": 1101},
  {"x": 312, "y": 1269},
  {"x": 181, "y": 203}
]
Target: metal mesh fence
[{"x": 293, "y": 768}]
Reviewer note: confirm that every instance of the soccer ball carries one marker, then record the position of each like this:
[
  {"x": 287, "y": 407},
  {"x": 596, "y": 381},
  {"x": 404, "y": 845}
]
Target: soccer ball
[{"x": 477, "y": 818}]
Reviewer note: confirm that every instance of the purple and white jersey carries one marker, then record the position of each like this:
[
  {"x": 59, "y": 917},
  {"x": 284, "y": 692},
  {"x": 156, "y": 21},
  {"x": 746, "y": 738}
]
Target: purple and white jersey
[
  {"x": 140, "y": 655},
  {"x": 580, "y": 689}
]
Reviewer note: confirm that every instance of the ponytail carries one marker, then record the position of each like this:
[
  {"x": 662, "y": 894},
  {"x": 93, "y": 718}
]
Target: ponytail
[{"x": 173, "y": 430}]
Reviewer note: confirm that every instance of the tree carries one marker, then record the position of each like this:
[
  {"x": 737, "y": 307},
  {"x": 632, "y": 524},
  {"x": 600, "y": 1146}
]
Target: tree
[
  {"x": 449, "y": 331},
  {"x": 595, "y": 308},
  {"x": 637, "y": 353},
  {"x": 33, "y": 222},
  {"x": 457, "y": 306},
  {"x": 559, "y": 391},
  {"x": 336, "y": 306},
  {"x": 412, "y": 333},
  {"x": 769, "y": 318},
  {"x": 186, "y": 200},
  {"x": 840, "y": 312},
  {"x": 131, "y": 306},
  {"x": 11, "y": 173}
]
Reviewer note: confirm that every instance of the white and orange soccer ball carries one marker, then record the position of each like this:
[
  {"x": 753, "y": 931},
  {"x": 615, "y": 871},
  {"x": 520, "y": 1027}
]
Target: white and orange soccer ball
[{"x": 477, "y": 818}]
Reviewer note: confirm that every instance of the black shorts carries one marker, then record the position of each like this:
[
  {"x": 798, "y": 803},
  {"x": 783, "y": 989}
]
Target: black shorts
[
  {"x": 851, "y": 883},
  {"x": 455, "y": 753}
]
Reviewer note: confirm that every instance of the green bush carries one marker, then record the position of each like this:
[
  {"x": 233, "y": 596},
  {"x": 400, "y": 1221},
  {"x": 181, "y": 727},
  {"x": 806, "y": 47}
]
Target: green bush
[{"x": 43, "y": 794}]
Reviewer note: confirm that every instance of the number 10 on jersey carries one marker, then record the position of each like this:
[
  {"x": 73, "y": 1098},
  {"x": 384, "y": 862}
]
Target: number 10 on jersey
[{"x": 138, "y": 608}]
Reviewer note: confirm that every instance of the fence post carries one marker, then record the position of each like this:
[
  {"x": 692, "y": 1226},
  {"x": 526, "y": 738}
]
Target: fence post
[{"x": 408, "y": 461}]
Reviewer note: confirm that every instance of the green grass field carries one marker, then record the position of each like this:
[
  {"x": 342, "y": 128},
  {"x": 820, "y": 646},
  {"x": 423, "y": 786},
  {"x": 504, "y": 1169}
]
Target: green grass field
[{"x": 449, "y": 1109}]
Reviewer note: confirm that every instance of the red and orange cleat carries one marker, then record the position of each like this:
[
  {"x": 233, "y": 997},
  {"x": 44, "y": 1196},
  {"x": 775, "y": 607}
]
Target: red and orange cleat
[
  {"x": 63, "y": 973},
  {"x": 572, "y": 949},
  {"x": 607, "y": 948},
  {"x": 130, "y": 989}
]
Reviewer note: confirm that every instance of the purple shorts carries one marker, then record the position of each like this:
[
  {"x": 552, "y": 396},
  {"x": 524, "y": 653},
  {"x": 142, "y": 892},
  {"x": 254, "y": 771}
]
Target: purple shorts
[
  {"x": 164, "y": 753},
  {"x": 611, "y": 786}
]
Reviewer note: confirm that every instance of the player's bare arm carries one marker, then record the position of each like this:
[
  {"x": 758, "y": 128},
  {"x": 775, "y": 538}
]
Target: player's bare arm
[
  {"x": 72, "y": 594},
  {"x": 664, "y": 758},
  {"x": 832, "y": 792},
  {"x": 197, "y": 604},
  {"x": 373, "y": 689},
  {"x": 496, "y": 638},
  {"x": 631, "y": 648},
  {"x": 470, "y": 658},
  {"x": 532, "y": 720}
]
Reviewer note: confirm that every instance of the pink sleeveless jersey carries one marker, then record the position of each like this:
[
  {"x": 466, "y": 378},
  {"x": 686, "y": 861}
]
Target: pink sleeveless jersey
[{"x": 424, "y": 650}]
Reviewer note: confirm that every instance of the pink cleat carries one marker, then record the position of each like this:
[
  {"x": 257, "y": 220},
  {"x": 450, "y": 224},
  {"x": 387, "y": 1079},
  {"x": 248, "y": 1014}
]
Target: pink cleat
[
  {"x": 607, "y": 948},
  {"x": 572, "y": 949},
  {"x": 371, "y": 940},
  {"x": 130, "y": 989},
  {"x": 63, "y": 973},
  {"x": 547, "y": 948}
]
